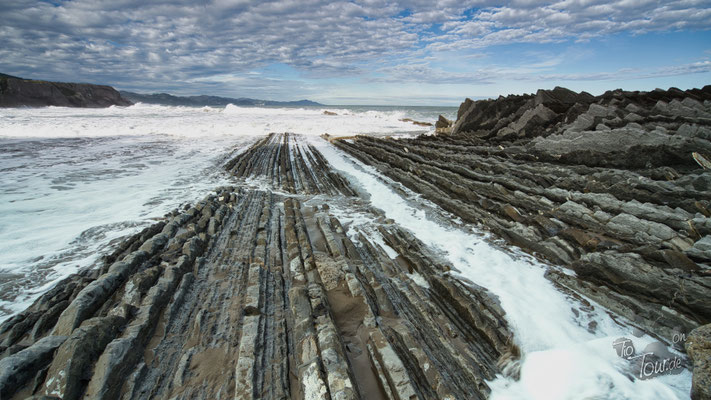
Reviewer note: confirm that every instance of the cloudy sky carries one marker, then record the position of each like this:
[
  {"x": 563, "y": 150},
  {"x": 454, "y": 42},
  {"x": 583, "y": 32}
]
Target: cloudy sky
[{"x": 361, "y": 51}]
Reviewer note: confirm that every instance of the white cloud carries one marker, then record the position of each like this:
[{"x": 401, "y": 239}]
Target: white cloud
[
  {"x": 162, "y": 42},
  {"x": 573, "y": 19},
  {"x": 424, "y": 73}
]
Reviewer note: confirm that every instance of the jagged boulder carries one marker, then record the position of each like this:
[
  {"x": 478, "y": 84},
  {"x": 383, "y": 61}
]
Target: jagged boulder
[
  {"x": 488, "y": 116},
  {"x": 443, "y": 126},
  {"x": 532, "y": 122},
  {"x": 561, "y": 99},
  {"x": 17, "y": 369},
  {"x": 520, "y": 118},
  {"x": 516, "y": 116}
]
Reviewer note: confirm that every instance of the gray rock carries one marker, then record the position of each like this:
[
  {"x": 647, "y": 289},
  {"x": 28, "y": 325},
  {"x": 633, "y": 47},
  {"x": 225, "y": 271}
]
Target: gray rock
[
  {"x": 152, "y": 245},
  {"x": 193, "y": 248},
  {"x": 698, "y": 347},
  {"x": 443, "y": 122},
  {"x": 96, "y": 293},
  {"x": 701, "y": 248},
  {"x": 633, "y": 108},
  {"x": 19, "y": 368},
  {"x": 628, "y": 146},
  {"x": 627, "y": 198},
  {"x": 71, "y": 365},
  {"x": 584, "y": 122},
  {"x": 597, "y": 110}
]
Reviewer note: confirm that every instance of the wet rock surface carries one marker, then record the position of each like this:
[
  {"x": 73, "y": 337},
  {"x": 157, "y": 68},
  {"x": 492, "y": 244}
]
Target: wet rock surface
[
  {"x": 284, "y": 162},
  {"x": 608, "y": 187},
  {"x": 258, "y": 291}
]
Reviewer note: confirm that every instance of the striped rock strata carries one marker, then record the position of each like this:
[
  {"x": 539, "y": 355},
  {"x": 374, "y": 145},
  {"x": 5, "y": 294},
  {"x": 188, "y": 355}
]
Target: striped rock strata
[{"x": 259, "y": 292}]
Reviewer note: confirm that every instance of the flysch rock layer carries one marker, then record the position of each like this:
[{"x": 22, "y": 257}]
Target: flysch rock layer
[
  {"x": 258, "y": 292},
  {"x": 612, "y": 187}
]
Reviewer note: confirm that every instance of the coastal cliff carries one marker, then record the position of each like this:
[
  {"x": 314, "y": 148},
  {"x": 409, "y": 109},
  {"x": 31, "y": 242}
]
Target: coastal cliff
[{"x": 18, "y": 92}]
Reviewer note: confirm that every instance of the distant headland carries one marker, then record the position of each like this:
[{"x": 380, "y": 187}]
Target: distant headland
[
  {"x": 20, "y": 92},
  {"x": 198, "y": 101}
]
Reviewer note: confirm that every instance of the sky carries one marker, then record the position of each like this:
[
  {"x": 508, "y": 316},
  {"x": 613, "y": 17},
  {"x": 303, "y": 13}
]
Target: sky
[{"x": 423, "y": 52}]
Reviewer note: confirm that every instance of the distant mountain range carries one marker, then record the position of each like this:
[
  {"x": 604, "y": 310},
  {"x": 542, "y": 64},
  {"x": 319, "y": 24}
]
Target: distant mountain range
[
  {"x": 171, "y": 100},
  {"x": 21, "y": 92}
]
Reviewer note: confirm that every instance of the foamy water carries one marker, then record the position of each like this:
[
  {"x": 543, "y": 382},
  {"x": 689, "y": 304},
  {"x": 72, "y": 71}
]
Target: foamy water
[
  {"x": 73, "y": 181},
  {"x": 210, "y": 122}
]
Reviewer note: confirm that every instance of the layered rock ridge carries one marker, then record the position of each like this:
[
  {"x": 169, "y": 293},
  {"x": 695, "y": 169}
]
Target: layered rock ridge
[
  {"x": 611, "y": 187},
  {"x": 283, "y": 161},
  {"x": 258, "y": 291}
]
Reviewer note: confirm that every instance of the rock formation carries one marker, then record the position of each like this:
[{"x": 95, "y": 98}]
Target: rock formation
[
  {"x": 18, "y": 92},
  {"x": 605, "y": 186},
  {"x": 443, "y": 126},
  {"x": 258, "y": 292}
]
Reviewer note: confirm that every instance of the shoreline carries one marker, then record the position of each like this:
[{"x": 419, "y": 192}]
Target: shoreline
[{"x": 263, "y": 271}]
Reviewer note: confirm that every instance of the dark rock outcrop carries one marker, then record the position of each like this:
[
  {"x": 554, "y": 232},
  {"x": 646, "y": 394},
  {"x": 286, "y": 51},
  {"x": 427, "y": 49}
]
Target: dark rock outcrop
[
  {"x": 18, "y": 92},
  {"x": 515, "y": 116},
  {"x": 443, "y": 126},
  {"x": 418, "y": 123}
]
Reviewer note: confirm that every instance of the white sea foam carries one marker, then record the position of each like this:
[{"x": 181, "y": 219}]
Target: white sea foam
[
  {"x": 140, "y": 119},
  {"x": 562, "y": 358}
]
